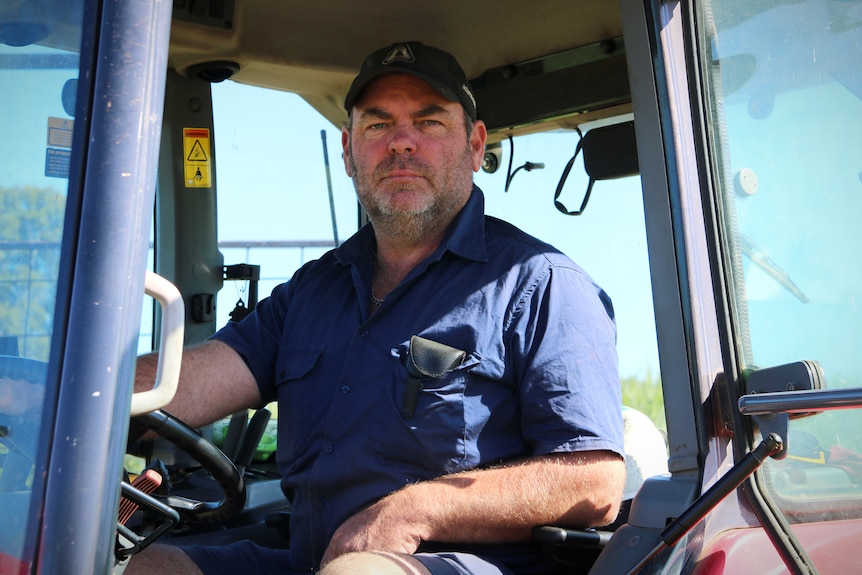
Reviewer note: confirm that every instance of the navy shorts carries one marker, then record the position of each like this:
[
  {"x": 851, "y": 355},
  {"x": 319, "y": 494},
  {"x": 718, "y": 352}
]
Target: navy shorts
[
  {"x": 459, "y": 564},
  {"x": 247, "y": 557}
]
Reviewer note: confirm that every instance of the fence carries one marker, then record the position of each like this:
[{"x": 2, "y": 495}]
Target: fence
[
  {"x": 28, "y": 277},
  {"x": 278, "y": 260}
]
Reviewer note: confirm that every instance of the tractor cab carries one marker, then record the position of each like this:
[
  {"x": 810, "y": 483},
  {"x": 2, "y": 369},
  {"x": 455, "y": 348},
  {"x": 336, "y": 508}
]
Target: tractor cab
[{"x": 163, "y": 166}]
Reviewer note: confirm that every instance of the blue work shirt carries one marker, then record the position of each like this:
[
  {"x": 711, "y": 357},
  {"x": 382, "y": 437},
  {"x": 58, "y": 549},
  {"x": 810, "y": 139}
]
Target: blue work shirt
[{"x": 540, "y": 374}]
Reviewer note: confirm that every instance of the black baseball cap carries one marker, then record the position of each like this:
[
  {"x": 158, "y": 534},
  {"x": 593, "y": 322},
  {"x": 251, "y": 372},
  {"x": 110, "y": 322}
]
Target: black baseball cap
[{"x": 436, "y": 67}]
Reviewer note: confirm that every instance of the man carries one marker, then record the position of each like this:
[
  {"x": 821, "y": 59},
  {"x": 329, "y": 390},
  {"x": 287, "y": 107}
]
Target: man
[{"x": 394, "y": 470}]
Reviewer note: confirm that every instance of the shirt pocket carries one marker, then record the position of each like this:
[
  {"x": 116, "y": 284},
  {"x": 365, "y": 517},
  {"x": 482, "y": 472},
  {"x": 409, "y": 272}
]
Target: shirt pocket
[
  {"x": 432, "y": 441},
  {"x": 295, "y": 387}
]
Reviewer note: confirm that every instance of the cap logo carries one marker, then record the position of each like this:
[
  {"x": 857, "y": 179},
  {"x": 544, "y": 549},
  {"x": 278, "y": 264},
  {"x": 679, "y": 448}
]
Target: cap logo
[
  {"x": 399, "y": 53},
  {"x": 469, "y": 93}
]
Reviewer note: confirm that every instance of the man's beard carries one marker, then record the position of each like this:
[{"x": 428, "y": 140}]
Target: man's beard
[{"x": 446, "y": 194}]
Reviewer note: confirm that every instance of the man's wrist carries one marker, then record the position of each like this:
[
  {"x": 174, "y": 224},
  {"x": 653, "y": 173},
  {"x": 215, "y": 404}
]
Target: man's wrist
[{"x": 418, "y": 508}]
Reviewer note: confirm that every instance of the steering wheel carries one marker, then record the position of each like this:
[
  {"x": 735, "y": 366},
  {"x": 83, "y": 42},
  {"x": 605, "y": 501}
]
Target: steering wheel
[
  {"x": 211, "y": 458},
  {"x": 19, "y": 434}
]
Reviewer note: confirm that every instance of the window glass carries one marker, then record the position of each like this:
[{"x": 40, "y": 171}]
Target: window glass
[
  {"x": 786, "y": 100},
  {"x": 608, "y": 240},
  {"x": 271, "y": 163},
  {"x": 146, "y": 336},
  {"x": 38, "y": 71},
  {"x": 279, "y": 160}
]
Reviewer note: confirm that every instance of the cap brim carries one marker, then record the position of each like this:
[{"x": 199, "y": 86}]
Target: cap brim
[{"x": 361, "y": 83}]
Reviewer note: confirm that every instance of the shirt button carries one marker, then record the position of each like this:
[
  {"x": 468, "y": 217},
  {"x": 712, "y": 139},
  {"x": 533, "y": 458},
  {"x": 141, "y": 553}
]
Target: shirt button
[
  {"x": 318, "y": 504},
  {"x": 328, "y": 448},
  {"x": 345, "y": 389},
  {"x": 363, "y": 333}
]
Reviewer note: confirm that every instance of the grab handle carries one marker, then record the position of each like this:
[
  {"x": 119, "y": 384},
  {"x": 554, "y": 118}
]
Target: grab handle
[{"x": 171, "y": 352}]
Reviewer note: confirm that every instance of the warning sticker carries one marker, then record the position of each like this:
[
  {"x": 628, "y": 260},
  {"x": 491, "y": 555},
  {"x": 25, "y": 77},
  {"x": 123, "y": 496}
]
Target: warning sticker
[
  {"x": 60, "y": 132},
  {"x": 57, "y": 163},
  {"x": 196, "y": 157}
]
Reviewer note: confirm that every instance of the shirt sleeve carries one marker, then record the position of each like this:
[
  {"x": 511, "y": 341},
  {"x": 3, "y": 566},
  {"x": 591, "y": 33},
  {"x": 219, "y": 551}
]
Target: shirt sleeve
[
  {"x": 258, "y": 336},
  {"x": 564, "y": 343}
]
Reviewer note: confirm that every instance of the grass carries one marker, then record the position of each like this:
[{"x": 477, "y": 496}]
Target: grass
[{"x": 645, "y": 395}]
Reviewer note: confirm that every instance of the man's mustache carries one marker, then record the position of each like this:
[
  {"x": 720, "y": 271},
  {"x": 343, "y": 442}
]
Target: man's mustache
[{"x": 402, "y": 162}]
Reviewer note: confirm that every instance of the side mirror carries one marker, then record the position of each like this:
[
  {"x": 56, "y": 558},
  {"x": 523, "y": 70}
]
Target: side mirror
[{"x": 69, "y": 96}]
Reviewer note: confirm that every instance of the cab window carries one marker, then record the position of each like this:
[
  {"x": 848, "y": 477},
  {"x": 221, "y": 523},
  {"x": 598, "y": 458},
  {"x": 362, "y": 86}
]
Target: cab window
[
  {"x": 280, "y": 162},
  {"x": 784, "y": 90},
  {"x": 608, "y": 240},
  {"x": 37, "y": 99}
]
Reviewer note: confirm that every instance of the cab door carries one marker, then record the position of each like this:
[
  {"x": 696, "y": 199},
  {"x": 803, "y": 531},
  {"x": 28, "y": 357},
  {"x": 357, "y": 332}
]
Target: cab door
[
  {"x": 81, "y": 88},
  {"x": 747, "y": 119},
  {"x": 782, "y": 103}
]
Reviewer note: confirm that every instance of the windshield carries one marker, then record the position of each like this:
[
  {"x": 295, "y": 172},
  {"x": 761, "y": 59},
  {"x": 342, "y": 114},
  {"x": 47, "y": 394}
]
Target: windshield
[
  {"x": 38, "y": 70},
  {"x": 786, "y": 98}
]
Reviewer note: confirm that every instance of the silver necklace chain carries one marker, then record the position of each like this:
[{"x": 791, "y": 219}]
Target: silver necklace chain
[{"x": 374, "y": 299}]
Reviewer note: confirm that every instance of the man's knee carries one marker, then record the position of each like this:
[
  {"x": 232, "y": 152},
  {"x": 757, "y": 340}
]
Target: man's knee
[
  {"x": 160, "y": 560},
  {"x": 374, "y": 563}
]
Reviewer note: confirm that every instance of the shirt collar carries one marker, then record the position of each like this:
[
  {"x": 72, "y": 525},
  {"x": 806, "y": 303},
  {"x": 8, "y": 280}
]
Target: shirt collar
[{"x": 465, "y": 237}]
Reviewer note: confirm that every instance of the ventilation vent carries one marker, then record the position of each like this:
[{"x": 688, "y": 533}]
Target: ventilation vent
[{"x": 213, "y": 13}]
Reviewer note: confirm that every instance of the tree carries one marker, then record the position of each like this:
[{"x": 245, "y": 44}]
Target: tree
[{"x": 31, "y": 226}]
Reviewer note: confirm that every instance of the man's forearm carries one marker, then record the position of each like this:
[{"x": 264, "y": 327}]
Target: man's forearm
[
  {"x": 214, "y": 382},
  {"x": 494, "y": 505},
  {"x": 506, "y": 503}
]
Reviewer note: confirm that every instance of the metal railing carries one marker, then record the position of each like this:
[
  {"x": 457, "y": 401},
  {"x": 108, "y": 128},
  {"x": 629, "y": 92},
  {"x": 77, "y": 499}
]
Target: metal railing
[
  {"x": 28, "y": 284},
  {"x": 28, "y": 278},
  {"x": 278, "y": 259}
]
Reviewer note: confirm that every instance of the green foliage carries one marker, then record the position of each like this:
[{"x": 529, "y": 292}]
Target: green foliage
[
  {"x": 31, "y": 226},
  {"x": 831, "y": 428},
  {"x": 645, "y": 395}
]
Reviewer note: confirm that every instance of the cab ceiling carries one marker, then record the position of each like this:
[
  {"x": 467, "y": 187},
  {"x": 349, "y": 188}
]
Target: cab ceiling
[{"x": 314, "y": 48}]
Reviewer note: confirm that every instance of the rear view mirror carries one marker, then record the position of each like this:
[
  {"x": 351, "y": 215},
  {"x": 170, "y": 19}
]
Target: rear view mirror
[{"x": 610, "y": 152}]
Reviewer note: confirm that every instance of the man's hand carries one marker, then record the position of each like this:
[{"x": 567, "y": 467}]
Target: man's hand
[
  {"x": 384, "y": 526},
  {"x": 17, "y": 397}
]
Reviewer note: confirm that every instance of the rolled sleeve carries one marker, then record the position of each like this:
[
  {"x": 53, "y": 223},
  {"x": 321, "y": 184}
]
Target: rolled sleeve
[
  {"x": 565, "y": 344},
  {"x": 257, "y": 339}
]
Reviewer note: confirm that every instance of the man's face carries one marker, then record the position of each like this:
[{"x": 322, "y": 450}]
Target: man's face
[{"x": 409, "y": 156}]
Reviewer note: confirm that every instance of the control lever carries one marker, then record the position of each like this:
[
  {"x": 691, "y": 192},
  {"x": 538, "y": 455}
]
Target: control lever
[
  {"x": 147, "y": 482},
  {"x": 253, "y": 434},
  {"x": 770, "y": 446},
  {"x": 235, "y": 433},
  {"x": 128, "y": 542}
]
